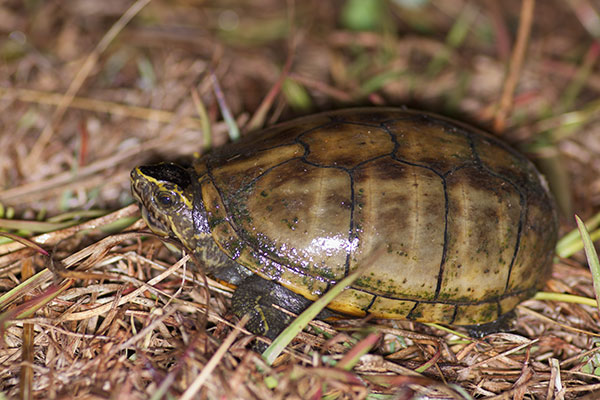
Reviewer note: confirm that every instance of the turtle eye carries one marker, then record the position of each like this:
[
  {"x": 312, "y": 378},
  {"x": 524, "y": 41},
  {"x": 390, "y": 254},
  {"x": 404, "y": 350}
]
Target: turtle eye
[{"x": 166, "y": 199}]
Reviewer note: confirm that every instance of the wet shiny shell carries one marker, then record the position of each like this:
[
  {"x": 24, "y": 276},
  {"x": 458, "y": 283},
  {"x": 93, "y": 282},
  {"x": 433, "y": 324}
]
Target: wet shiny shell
[{"x": 467, "y": 222}]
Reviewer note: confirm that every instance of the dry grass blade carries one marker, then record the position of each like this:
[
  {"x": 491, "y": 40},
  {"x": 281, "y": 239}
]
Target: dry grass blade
[
  {"x": 81, "y": 76},
  {"x": 190, "y": 393},
  {"x": 26, "y": 376},
  {"x": 555, "y": 385},
  {"x": 127, "y": 298},
  {"x": 99, "y": 106},
  {"x": 259, "y": 117},
  {"x": 51, "y": 239},
  {"x": 516, "y": 63},
  {"x": 565, "y": 327}
]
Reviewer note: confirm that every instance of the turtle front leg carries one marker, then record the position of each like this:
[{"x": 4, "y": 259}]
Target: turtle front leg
[
  {"x": 505, "y": 323},
  {"x": 256, "y": 296}
]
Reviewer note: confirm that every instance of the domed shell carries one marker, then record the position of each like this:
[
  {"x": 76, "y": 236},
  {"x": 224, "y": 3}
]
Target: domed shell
[{"x": 468, "y": 224}]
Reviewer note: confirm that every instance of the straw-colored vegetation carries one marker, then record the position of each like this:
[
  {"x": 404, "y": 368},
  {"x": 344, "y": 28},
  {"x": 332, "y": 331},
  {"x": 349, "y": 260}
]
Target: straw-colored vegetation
[{"x": 92, "y": 308}]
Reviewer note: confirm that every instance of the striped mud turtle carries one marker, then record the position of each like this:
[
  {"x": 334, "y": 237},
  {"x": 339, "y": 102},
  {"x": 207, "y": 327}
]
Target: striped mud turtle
[{"x": 468, "y": 224}]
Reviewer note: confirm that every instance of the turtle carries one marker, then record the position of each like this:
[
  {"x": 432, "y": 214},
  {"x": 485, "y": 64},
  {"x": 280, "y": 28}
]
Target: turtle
[{"x": 467, "y": 223}]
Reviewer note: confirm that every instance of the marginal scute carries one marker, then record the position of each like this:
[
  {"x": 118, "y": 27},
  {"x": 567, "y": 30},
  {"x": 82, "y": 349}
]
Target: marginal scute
[
  {"x": 384, "y": 307},
  {"x": 471, "y": 314},
  {"x": 510, "y": 302},
  {"x": 351, "y": 302},
  {"x": 466, "y": 223},
  {"x": 432, "y": 312}
]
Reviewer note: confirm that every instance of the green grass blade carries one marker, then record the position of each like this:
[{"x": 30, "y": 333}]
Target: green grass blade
[
  {"x": 572, "y": 243},
  {"x": 592, "y": 257},
  {"x": 232, "y": 127},
  {"x": 567, "y": 298}
]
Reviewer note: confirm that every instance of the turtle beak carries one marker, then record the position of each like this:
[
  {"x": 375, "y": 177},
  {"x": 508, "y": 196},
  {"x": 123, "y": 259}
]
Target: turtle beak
[
  {"x": 154, "y": 224},
  {"x": 141, "y": 191},
  {"x": 140, "y": 188},
  {"x": 136, "y": 182}
]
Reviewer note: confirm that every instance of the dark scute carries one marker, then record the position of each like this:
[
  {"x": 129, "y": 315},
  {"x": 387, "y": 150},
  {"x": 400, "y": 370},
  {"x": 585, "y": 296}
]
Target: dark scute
[{"x": 168, "y": 173}]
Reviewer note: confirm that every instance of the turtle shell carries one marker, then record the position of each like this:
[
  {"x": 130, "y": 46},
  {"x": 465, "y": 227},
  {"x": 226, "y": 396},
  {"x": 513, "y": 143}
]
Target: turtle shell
[{"x": 468, "y": 223}]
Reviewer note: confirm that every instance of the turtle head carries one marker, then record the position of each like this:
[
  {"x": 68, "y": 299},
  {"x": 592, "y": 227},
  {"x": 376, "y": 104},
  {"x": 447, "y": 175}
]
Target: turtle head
[{"x": 165, "y": 194}]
